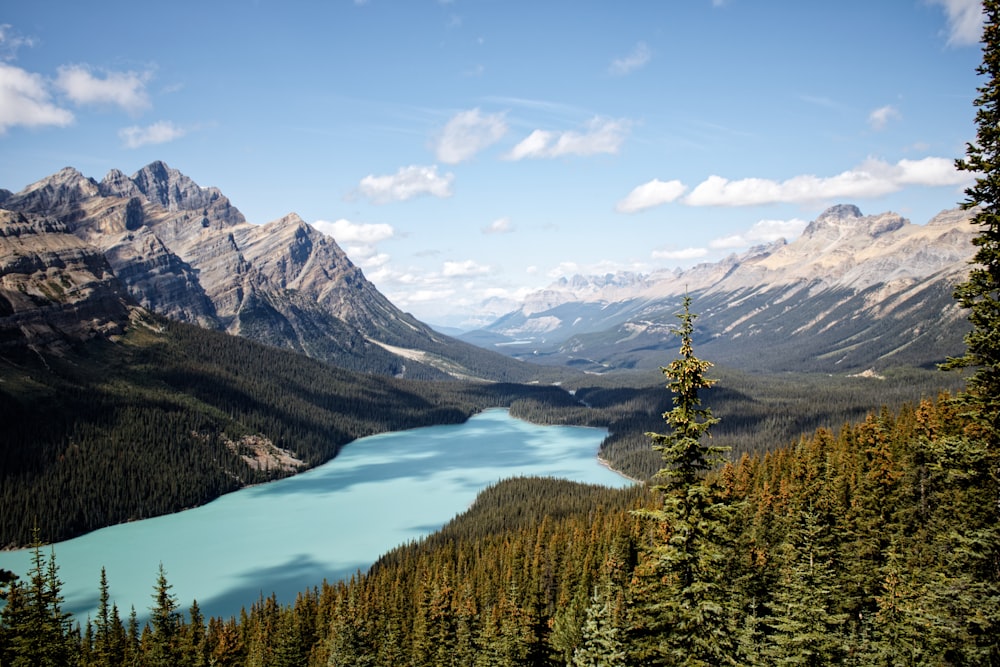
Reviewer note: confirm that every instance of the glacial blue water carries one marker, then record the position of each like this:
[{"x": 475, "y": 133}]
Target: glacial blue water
[{"x": 287, "y": 536}]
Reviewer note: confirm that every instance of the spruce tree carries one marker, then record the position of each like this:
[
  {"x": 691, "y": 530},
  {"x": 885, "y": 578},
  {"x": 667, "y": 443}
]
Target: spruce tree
[
  {"x": 975, "y": 454},
  {"x": 980, "y": 293},
  {"x": 602, "y": 643},
  {"x": 680, "y": 613},
  {"x": 38, "y": 632},
  {"x": 166, "y": 624}
]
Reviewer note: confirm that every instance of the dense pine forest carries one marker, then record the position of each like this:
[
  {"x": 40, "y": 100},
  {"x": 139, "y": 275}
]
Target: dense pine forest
[{"x": 873, "y": 542}]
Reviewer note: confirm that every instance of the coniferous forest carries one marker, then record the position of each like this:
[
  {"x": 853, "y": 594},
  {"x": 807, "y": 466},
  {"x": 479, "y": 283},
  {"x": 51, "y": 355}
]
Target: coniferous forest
[{"x": 873, "y": 542}]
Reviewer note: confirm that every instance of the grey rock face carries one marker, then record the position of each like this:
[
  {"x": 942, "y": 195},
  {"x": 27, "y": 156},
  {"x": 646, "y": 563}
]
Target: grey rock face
[
  {"x": 54, "y": 288},
  {"x": 186, "y": 252}
]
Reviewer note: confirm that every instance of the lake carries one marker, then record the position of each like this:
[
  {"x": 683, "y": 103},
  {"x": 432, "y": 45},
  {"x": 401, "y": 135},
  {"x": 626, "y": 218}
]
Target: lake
[{"x": 327, "y": 523}]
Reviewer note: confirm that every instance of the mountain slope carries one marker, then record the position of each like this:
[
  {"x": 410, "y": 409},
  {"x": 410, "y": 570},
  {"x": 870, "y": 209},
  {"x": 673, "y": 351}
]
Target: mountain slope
[
  {"x": 54, "y": 288},
  {"x": 186, "y": 252},
  {"x": 851, "y": 292}
]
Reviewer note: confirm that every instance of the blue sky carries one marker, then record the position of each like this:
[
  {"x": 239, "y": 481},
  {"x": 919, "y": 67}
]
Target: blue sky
[{"x": 470, "y": 149}]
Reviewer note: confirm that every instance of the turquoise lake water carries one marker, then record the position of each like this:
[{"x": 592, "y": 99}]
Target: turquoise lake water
[{"x": 287, "y": 536}]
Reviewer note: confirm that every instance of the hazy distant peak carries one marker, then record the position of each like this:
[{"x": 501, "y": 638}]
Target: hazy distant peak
[
  {"x": 840, "y": 212},
  {"x": 847, "y": 218}
]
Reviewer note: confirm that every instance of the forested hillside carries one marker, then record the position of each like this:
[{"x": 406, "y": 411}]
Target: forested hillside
[
  {"x": 172, "y": 415},
  {"x": 872, "y": 545}
]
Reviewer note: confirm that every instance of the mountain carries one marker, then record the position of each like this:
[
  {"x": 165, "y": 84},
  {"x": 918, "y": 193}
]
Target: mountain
[
  {"x": 185, "y": 252},
  {"x": 54, "y": 288},
  {"x": 853, "y": 292}
]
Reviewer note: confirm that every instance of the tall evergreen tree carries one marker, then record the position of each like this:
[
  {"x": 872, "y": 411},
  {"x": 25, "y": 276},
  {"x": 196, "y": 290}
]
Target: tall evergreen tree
[
  {"x": 681, "y": 614},
  {"x": 166, "y": 624},
  {"x": 980, "y": 293},
  {"x": 975, "y": 455},
  {"x": 38, "y": 630},
  {"x": 602, "y": 643}
]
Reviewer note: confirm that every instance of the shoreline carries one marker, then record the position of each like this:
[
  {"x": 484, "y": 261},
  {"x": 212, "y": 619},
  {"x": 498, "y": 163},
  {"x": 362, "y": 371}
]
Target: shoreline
[{"x": 604, "y": 462}]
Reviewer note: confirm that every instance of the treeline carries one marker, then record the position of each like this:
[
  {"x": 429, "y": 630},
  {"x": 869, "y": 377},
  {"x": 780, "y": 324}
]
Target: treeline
[
  {"x": 758, "y": 412},
  {"x": 146, "y": 426},
  {"x": 873, "y": 545}
]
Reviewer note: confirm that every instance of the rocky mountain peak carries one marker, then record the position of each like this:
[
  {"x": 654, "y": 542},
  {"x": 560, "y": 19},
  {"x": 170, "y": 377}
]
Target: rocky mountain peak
[
  {"x": 847, "y": 219},
  {"x": 57, "y": 191},
  {"x": 171, "y": 189},
  {"x": 840, "y": 213},
  {"x": 117, "y": 184}
]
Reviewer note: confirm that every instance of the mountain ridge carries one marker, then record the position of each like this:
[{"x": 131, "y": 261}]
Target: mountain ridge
[
  {"x": 845, "y": 275},
  {"x": 186, "y": 252}
]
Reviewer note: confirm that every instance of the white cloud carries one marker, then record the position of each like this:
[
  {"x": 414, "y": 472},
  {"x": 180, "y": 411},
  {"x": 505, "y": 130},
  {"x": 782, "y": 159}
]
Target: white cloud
[
  {"x": 639, "y": 56},
  {"x": 499, "y": 226},
  {"x": 763, "y": 231},
  {"x": 464, "y": 269},
  {"x": 680, "y": 255},
  {"x": 406, "y": 183},
  {"x": 344, "y": 231},
  {"x": 157, "y": 133},
  {"x": 123, "y": 89},
  {"x": 469, "y": 132},
  {"x": 24, "y": 100},
  {"x": 880, "y": 117},
  {"x": 653, "y": 193},
  {"x": 965, "y": 21},
  {"x": 873, "y": 178},
  {"x": 603, "y": 135}
]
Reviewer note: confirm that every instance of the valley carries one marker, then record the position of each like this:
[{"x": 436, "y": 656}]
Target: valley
[{"x": 158, "y": 353}]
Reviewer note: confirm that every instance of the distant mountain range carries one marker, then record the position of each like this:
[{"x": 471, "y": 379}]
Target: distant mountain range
[
  {"x": 77, "y": 255},
  {"x": 79, "y": 258},
  {"x": 852, "y": 293}
]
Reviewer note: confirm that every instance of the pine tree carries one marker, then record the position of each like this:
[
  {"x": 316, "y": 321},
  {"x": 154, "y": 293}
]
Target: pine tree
[
  {"x": 975, "y": 455},
  {"x": 681, "y": 613},
  {"x": 38, "y": 631},
  {"x": 602, "y": 642},
  {"x": 980, "y": 293},
  {"x": 166, "y": 624},
  {"x": 109, "y": 647},
  {"x": 805, "y": 629}
]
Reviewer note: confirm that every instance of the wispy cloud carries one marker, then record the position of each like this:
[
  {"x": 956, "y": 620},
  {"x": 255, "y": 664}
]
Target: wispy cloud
[
  {"x": 122, "y": 89},
  {"x": 602, "y": 136},
  {"x": 763, "y": 231},
  {"x": 408, "y": 182},
  {"x": 467, "y": 133},
  {"x": 157, "y": 133},
  {"x": 648, "y": 195},
  {"x": 880, "y": 117},
  {"x": 965, "y": 21},
  {"x": 464, "y": 269},
  {"x": 25, "y": 101},
  {"x": 638, "y": 57},
  {"x": 499, "y": 226},
  {"x": 684, "y": 254},
  {"x": 11, "y": 42}
]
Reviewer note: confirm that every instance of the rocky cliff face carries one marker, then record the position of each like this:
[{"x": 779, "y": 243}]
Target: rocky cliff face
[
  {"x": 54, "y": 288},
  {"x": 186, "y": 252},
  {"x": 852, "y": 290}
]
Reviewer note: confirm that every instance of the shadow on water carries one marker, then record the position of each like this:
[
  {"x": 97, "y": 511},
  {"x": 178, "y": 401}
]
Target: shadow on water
[
  {"x": 435, "y": 470},
  {"x": 300, "y": 573},
  {"x": 497, "y": 444}
]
